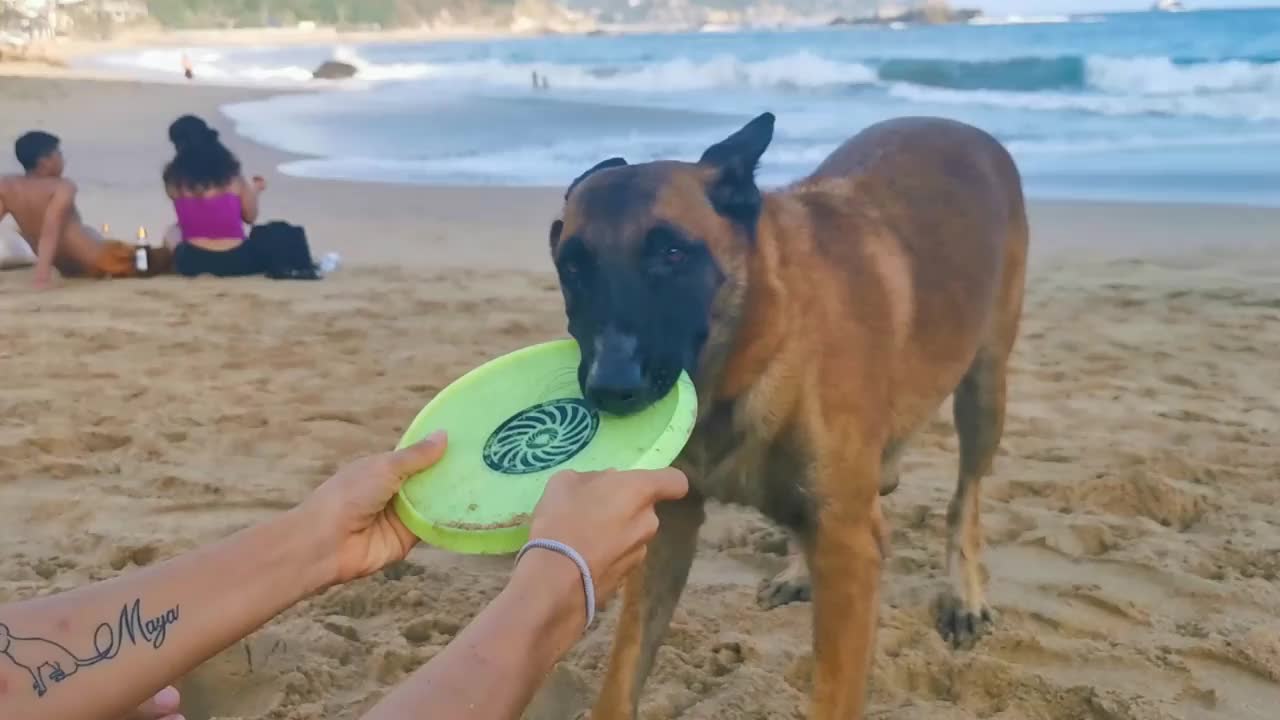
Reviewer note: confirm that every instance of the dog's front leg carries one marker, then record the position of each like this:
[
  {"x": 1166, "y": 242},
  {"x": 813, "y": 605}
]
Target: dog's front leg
[
  {"x": 845, "y": 558},
  {"x": 649, "y": 600}
]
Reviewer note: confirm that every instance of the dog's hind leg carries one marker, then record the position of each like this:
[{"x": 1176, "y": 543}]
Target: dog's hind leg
[
  {"x": 649, "y": 600},
  {"x": 793, "y": 584},
  {"x": 979, "y": 403},
  {"x": 889, "y": 466},
  {"x": 789, "y": 586}
]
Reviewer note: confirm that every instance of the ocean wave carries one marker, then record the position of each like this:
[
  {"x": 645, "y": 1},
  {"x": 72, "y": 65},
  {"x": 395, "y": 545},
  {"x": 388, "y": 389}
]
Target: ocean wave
[
  {"x": 797, "y": 70},
  {"x": 217, "y": 66},
  {"x": 1027, "y": 74},
  {"x": 802, "y": 70},
  {"x": 1165, "y": 76},
  {"x": 374, "y": 72},
  {"x": 809, "y": 71},
  {"x": 550, "y": 164},
  {"x": 1022, "y": 20},
  {"x": 556, "y": 164},
  {"x": 1065, "y": 146},
  {"x": 1232, "y": 106},
  {"x": 1105, "y": 74},
  {"x": 1142, "y": 76},
  {"x": 206, "y": 64}
]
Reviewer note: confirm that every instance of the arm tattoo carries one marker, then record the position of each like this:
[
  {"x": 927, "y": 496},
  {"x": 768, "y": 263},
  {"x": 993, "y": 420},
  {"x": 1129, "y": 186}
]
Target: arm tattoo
[{"x": 48, "y": 661}]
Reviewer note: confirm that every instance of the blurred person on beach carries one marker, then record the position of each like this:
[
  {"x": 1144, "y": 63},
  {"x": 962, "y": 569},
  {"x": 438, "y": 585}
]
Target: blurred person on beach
[
  {"x": 43, "y": 204},
  {"x": 213, "y": 202},
  {"x": 94, "y": 652}
]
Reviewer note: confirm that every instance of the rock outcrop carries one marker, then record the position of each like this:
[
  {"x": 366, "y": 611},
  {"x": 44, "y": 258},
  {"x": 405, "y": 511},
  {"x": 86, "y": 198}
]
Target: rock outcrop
[{"x": 334, "y": 70}]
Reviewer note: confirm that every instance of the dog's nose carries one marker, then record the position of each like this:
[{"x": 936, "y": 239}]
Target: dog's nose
[
  {"x": 615, "y": 382},
  {"x": 616, "y": 388}
]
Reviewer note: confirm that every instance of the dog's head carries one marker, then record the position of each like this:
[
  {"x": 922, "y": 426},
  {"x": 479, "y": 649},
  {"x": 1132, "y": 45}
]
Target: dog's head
[{"x": 651, "y": 260}]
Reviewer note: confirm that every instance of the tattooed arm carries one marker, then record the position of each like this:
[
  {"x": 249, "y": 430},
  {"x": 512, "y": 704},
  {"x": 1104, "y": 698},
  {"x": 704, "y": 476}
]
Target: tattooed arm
[
  {"x": 98, "y": 652},
  {"x": 94, "y": 653}
]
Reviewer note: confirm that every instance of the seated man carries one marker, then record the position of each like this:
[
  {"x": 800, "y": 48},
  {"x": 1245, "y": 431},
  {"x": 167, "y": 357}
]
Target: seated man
[{"x": 42, "y": 203}]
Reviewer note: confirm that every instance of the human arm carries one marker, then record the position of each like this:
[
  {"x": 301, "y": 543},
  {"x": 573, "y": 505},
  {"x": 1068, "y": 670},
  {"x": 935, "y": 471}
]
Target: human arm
[
  {"x": 493, "y": 668},
  {"x": 98, "y": 652},
  {"x": 249, "y": 192},
  {"x": 345, "y": 530},
  {"x": 54, "y": 224}
]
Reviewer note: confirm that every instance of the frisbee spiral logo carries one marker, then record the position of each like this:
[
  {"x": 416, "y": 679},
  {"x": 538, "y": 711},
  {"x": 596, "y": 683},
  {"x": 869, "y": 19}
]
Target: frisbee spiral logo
[{"x": 541, "y": 437}]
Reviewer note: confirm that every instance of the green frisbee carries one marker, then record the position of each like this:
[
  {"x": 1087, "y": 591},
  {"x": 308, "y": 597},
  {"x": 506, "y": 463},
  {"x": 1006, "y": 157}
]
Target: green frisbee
[{"x": 513, "y": 422}]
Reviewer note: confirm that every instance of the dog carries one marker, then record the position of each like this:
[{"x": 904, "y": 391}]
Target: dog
[{"x": 822, "y": 325}]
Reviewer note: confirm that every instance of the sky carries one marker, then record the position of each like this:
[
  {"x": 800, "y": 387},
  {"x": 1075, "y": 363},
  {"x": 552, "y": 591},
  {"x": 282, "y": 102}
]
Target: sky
[{"x": 1040, "y": 7}]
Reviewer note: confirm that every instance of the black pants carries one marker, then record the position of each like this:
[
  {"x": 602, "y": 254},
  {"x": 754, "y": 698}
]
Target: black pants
[{"x": 245, "y": 259}]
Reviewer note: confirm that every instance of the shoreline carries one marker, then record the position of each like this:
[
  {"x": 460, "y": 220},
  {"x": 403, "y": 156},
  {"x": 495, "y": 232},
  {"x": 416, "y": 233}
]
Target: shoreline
[
  {"x": 1063, "y": 229},
  {"x": 1047, "y": 183}
]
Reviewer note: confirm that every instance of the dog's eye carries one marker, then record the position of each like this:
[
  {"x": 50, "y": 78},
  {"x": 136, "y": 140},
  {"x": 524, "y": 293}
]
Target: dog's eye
[
  {"x": 574, "y": 259},
  {"x": 667, "y": 249}
]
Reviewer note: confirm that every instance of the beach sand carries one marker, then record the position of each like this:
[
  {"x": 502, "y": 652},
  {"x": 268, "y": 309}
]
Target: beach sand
[{"x": 1134, "y": 544}]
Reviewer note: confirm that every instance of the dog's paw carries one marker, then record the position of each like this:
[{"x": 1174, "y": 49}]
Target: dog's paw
[
  {"x": 961, "y": 626},
  {"x": 786, "y": 588}
]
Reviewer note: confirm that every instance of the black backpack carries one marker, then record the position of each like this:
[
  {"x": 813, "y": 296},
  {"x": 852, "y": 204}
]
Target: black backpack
[{"x": 287, "y": 253}]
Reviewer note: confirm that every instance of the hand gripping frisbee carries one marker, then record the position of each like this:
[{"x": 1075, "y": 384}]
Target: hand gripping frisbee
[{"x": 514, "y": 422}]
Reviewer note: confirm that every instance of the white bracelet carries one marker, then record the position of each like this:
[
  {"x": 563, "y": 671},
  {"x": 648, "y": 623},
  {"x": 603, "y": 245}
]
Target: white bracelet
[{"x": 587, "y": 583}]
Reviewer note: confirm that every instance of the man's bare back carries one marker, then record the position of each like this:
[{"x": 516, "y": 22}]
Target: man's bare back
[{"x": 35, "y": 202}]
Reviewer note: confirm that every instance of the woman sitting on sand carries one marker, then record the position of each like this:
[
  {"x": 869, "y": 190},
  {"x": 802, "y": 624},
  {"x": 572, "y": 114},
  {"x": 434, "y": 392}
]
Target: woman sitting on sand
[
  {"x": 146, "y": 628},
  {"x": 213, "y": 202}
]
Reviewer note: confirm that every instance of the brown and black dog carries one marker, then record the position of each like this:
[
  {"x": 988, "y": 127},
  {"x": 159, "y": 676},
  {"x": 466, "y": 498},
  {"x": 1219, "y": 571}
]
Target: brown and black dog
[{"x": 822, "y": 325}]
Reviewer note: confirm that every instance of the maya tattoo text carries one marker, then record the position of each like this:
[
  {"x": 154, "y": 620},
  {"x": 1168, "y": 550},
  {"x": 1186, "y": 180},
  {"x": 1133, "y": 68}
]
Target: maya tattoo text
[{"x": 49, "y": 662}]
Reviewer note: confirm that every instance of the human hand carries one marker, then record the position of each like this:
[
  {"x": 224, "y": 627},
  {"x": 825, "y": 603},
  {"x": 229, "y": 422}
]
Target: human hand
[
  {"x": 608, "y": 517},
  {"x": 353, "y": 508},
  {"x": 162, "y": 706},
  {"x": 259, "y": 183}
]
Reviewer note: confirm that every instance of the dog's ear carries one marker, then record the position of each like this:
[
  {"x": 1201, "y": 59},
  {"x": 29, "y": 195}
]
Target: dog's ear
[
  {"x": 557, "y": 227},
  {"x": 602, "y": 165},
  {"x": 734, "y": 193}
]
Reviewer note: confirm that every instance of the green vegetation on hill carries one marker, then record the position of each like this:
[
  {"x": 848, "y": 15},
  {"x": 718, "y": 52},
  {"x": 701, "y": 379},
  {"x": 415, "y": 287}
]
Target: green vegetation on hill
[
  {"x": 386, "y": 13},
  {"x": 501, "y": 13}
]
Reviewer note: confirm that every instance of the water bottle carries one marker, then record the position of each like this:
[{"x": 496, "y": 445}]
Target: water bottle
[{"x": 142, "y": 253}]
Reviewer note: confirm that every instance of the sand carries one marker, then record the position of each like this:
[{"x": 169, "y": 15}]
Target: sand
[{"x": 1134, "y": 545}]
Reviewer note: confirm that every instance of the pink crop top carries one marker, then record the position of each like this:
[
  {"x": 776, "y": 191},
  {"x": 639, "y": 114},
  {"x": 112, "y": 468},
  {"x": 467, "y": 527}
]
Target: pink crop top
[{"x": 212, "y": 217}]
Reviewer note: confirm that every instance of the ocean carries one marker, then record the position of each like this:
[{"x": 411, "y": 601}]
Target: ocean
[{"x": 1153, "y": 107}]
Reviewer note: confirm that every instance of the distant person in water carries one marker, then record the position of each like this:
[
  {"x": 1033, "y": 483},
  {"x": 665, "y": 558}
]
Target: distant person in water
[
  {"x": 43, "y": 203},
  {"x": 213, "y": 202}
]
